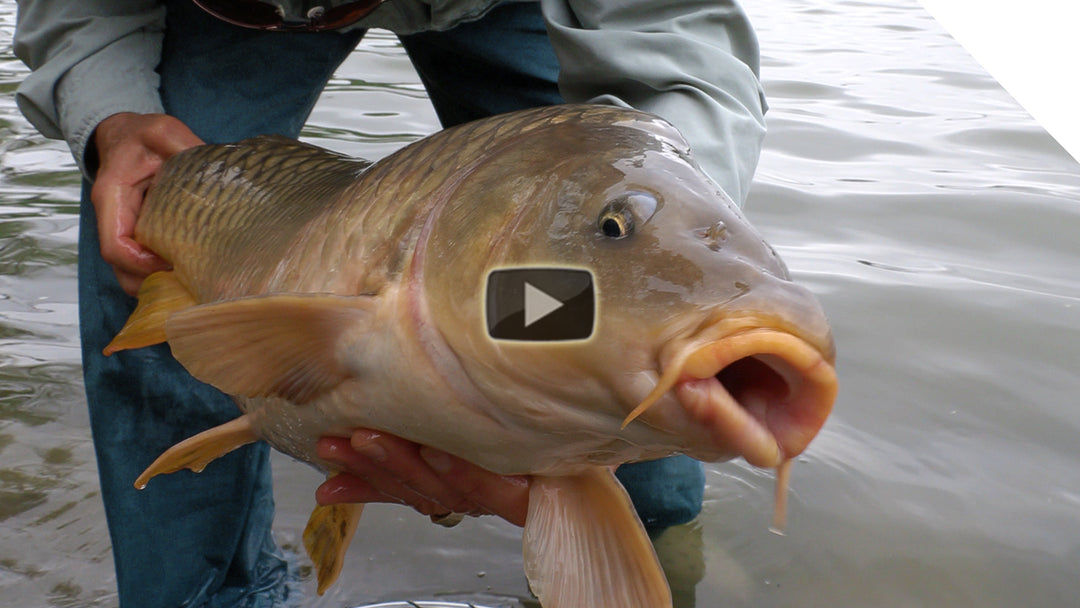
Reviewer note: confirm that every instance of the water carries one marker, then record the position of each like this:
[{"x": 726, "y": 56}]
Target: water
[{"x": 936, "y": 221}]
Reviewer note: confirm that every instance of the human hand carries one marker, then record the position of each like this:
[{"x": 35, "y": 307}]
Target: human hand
[
  {"x": 377, "y": 467},
  {"x": 131, "y": 148}
]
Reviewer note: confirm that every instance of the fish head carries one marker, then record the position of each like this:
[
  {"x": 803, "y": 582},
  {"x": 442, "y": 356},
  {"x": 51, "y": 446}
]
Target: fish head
[{"x": 701, "y": 343}]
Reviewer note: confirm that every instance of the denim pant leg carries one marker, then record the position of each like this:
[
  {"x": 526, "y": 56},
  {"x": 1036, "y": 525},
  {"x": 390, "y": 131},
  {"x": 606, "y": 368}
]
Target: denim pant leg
[
  {"x": 504, "y": 62},
  {"x": 499, "y": 63},
  {"x": 205, "y": 539}
]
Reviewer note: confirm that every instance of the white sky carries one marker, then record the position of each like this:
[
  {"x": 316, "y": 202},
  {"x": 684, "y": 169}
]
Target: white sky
[{"x": 1032, "y": 47}]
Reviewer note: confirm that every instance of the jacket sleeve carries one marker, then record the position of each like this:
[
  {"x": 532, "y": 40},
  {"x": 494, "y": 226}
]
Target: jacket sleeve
[
  {"x": 692, "y": 62},
  {"x": 89, "y": 59}
]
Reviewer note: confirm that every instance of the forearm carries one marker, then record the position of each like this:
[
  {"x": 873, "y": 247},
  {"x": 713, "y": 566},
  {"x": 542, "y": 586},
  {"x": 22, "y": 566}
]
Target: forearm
[
  {"x": 90, "y": 59},
  {"x": 692, "y": 63}
]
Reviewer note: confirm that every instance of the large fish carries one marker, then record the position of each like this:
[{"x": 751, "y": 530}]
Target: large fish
[{"x": 327, "y": 293}]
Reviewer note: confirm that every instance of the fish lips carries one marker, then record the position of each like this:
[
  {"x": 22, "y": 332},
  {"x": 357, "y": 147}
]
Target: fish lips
[{"x": 760, "y": 393}]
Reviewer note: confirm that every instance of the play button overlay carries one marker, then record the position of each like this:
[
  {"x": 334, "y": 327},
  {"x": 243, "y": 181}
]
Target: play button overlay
[{"x": 536, "y": 304}]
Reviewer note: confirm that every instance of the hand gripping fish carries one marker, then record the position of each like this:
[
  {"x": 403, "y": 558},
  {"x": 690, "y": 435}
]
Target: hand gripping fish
[{"x": 327, "y": 293}]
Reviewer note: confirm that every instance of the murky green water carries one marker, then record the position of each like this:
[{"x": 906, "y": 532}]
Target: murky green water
[{"x": 934, "y": 218}]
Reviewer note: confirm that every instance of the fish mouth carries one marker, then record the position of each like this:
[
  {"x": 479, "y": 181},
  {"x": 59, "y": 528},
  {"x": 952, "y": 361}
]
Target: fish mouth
[{"x": 762, "y": 394}]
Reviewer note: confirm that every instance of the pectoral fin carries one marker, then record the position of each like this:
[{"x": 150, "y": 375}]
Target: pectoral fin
[
  {"x": 585, "y": 546},
  {"x": 288, "y": 346},
  {"x": 160, "y": 296},
  {"x": 327, "y": 536},
  {"x": 196, "y": 452}
]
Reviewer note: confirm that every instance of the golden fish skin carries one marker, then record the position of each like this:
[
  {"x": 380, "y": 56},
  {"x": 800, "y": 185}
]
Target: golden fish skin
[{"x": 327, "y": 293}]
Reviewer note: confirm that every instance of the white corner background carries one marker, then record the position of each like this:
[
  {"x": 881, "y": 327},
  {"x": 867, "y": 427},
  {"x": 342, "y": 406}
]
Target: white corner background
[{"x": 1032, "y": 48}]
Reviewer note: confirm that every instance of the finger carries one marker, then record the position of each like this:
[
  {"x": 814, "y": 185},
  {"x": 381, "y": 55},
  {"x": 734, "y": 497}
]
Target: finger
[
  {"x": 117, "y": 204},
  {"x": 504, "y": 495},
  {"x": 159, "y": 134},
  {"x": 348, "y": 488},
  {"x": 167, "y": 135},
  {"x": 366, "y": 480},
  {"x": 131, "y": 257},
  {"x": 345, "y": 488},
  {"x": 400, "y": 459},
  {"x": 129, "y": 282},
  {"x": 131, "y": 262}
]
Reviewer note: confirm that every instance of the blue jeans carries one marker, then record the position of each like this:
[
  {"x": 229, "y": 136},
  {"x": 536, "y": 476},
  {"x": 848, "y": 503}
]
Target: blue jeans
[{"x": 205, "y": 540}]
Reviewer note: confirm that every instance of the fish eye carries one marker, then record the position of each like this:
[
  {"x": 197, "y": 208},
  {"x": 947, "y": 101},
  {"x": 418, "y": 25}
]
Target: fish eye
[
  {"x": 620, "y": 216},
  {"x": 616, "y": 223}
]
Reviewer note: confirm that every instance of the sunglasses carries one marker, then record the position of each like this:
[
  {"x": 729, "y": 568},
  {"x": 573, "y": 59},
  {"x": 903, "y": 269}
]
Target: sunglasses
[{"x": 262, "y": 15}]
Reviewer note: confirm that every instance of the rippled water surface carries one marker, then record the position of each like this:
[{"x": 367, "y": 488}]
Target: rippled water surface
[{"x": 936, "y": 221}]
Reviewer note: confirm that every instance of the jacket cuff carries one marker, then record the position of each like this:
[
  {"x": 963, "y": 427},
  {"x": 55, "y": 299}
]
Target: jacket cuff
[{"x": 104, "y": 84}]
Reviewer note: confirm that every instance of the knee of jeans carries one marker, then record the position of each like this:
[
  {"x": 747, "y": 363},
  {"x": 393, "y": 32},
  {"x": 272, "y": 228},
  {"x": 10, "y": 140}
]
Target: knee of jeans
[{"x": 665, "y": 492}]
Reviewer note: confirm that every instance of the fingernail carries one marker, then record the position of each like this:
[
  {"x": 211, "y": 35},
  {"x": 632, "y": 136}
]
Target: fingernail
[
  {"x": 330, "y": 448},
  {"x": 328, "y": 494},
  {"x": 372, "y": 451},
  {"x": 362, "y": 436},
  {"x": 363, "y": 441},
  {"x": 437, "y": 460}
]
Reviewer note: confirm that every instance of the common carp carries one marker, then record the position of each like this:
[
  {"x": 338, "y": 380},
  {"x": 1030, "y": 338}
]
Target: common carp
[{"x": 327, "y": 293}]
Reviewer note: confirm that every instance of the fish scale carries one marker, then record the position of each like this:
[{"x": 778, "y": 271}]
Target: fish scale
[{"x": 283, "y": 185}]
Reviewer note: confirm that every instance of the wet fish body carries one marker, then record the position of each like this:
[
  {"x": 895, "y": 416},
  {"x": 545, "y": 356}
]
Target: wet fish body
[{"x": 327, "y": 293}]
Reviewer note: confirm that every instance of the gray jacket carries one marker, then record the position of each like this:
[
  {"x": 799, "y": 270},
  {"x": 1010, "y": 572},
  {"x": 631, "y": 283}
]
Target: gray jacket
[{"x": 692, "y": 63}]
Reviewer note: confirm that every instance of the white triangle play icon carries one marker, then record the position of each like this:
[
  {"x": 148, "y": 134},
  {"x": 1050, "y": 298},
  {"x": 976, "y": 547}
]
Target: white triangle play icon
[{"x": 538, "y": 304}]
